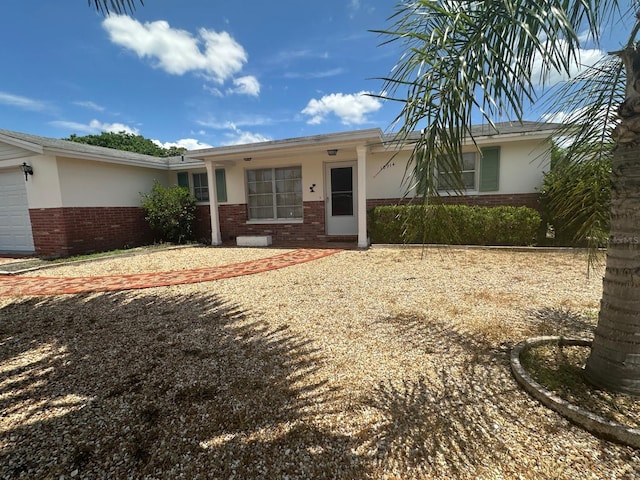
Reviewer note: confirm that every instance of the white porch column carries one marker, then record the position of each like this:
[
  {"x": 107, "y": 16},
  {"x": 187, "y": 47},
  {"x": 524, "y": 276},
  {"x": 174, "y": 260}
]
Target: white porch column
[
  {"x": 216, "y": 236},
  {"x": 363, "y": 242}
]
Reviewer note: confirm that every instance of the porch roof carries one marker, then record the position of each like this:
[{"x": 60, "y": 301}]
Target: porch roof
[{"x": 291, "y": 146}]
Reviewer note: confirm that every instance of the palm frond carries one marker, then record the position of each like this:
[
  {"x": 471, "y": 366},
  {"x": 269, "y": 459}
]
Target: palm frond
[
  {"x": 587, "y": 107},
  {"x": 477, "y": 57},
  {"x": 116, "y": 6}
]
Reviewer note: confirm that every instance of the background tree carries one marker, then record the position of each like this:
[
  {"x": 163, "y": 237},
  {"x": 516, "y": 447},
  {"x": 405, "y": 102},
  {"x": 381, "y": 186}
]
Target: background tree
[
  {"x": 464, "y": 60},
  {"x": 129, "y": 142}
]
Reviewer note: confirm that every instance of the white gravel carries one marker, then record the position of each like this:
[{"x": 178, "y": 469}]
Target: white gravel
[{"x": 377, "y": 364}]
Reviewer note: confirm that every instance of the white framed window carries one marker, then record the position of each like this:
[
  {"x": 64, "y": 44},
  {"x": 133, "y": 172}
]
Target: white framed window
[
  {"x": 447, "y": 180},
  {"x": 275, "y": 193},
  {"x": 200, "y": 187}
]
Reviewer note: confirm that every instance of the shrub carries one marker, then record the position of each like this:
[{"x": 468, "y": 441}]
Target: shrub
[
  {"x": 575, "y": 200},
  {"x": 170, "y": 212},
  {"x": 454, "y": 225}
]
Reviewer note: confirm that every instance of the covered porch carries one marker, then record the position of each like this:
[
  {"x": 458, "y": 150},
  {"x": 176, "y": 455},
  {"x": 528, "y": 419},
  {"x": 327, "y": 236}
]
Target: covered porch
[{"x": 308, "y": 190}]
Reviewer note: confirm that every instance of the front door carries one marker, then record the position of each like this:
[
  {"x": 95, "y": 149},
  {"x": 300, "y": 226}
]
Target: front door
[{"x": 341, "y": 199}]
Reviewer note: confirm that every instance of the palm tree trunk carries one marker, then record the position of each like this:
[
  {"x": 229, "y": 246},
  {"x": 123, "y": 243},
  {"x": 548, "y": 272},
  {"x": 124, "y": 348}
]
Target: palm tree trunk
[{"x": 614, "y": 363}]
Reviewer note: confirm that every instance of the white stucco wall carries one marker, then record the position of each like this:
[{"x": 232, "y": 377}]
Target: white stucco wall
[
  {"x": 43, "y": 187},
  {"x": 522, "y": 164},
  {"x": 385, "y": 174},
  {"x": 85, "y": 183},
  {"x": 312, "y": 172},
  {"x": 521, "y": 167}
]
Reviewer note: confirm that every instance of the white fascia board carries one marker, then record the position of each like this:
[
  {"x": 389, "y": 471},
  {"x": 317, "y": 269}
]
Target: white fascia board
[
  {"x": 292, "y": 145},
  {"x": 194, "y": 163},
  {"x": 159, "y": 165},
  {"x": 32, "y": 147},
  {"x": 542, "y": 135}
]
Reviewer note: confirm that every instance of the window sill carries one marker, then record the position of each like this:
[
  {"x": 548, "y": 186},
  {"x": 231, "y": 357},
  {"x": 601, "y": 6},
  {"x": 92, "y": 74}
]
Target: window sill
[
  {"x": 448, "y": 193},
  {"x": 274, "y": 221}
]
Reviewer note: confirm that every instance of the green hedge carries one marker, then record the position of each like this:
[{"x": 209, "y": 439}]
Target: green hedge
[{"x": 454, "y": 225}]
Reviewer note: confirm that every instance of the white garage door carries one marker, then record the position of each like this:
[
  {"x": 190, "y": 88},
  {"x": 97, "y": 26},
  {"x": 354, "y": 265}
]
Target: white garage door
[{"x": 15, "y": 225}]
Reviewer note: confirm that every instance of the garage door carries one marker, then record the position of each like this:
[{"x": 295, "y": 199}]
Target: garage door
[{"x": 15, "y": 225}]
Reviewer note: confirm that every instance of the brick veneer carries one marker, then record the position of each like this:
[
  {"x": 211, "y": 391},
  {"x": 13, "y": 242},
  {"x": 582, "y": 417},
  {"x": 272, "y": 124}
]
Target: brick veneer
[
  {"x": 233, "y": 218},
  {"x": 233, "y": 222},
  {"x": 515, "y": 200},
  {"x": 78, "y": 230}
]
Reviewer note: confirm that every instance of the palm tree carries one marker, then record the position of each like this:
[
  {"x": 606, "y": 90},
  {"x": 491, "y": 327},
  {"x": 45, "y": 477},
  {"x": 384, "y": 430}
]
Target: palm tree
[
  {"x": 480, "y": 58},
  {"x": 116, "y": 6}
]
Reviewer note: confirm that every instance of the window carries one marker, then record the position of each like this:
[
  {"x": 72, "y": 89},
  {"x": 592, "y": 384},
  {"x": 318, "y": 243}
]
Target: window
[
  {"x": 448, "y": 181},
  {"x": 201, "y": 185},
  {"x": 183, "y": 179},
  {"x": 480, "y": 171},
  {"x": 275, "y": 193}
]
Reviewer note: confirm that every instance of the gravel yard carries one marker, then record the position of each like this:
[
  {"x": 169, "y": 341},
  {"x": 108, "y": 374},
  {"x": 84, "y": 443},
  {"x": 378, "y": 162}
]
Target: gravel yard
[{"x": 382, "y": 364}]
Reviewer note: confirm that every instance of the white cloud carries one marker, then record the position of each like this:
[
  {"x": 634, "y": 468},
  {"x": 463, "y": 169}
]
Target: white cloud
[
  {"x": 354, "y": 6},
  {"x": 214, "y": 54},
  {"x": 311, "y": 75},
  {"x": 95, "y": 126},
  {"x": 587, "y": 58},
  {"x": 244, "y": 121},
  {"x": 188, "y": 143},
  {"x": 562, "y": 117},
  {"x": 248, "y": 85},
  {"x": 350, "y": 108},
  {"x": 234, "y": 132},
  {"x": 287, "y": 56},
  {"x": 21, "y": 102},
  {"x": 240, "y": 137},
  {"x": 90, "y": 106}
]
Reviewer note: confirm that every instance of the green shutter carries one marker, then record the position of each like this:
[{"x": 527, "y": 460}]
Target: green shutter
[
  {"x": 490, "y": 169},
  {"x": 183, "y": 179},
  {"x": 221, "y": 185}
]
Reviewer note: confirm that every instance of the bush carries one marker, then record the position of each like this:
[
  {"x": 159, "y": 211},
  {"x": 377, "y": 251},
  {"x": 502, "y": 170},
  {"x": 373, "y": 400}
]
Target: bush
[
  {"x": 576, "y": 199},
  {"x": 454, "y": 225},
  {"x": 170, "y": 212}
]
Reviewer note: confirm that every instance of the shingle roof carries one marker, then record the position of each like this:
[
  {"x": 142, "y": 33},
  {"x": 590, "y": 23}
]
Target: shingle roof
[
  {"x": 83, "y": 150},
  {"x": 506, "y": 128},
  {"x": 502, "y": 128}
]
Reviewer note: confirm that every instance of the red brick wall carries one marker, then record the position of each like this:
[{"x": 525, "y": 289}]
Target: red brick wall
[
  {"x": 233, "y": 222},
  {"x": 78, "y": 230},
  {"x": 202, "y": 226},
  {"x": 515, "y": 200}
]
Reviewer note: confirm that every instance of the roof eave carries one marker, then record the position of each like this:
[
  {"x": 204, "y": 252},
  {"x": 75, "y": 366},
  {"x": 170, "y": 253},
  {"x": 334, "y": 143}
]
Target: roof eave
[
  {"x": 391, "y": 144},
  {"x": 335, "y": 140},
  {"x": 16, "y": 142},
  {"x": 152, "y": 162}
]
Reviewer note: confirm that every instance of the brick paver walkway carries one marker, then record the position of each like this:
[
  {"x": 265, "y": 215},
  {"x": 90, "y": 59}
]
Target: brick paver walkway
[{"x": 23, "y": 286}]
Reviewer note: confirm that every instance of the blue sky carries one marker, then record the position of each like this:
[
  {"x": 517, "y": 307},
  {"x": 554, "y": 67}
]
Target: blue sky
[{"x": 197, "y": 73}]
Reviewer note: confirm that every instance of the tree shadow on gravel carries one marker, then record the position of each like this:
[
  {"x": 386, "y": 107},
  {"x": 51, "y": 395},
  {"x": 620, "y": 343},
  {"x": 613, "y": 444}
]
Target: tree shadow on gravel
[
  {"x": 134, "y": 385},
  {"x": 561, "y": 322},
  {"x": 466, "y": 417}
]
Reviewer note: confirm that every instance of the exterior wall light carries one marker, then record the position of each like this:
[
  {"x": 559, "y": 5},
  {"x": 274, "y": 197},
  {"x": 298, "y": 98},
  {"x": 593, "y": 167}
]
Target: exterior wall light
[
  {"x": 27, "y": 169},
  {"x": 332, "y": 152},
  {"x": 247, "y": 159}
]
